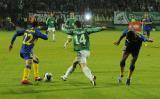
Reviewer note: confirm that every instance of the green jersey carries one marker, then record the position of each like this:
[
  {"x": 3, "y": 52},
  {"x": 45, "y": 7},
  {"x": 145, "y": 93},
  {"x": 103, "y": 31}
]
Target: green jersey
[
  {"x": 70, "y": 23},
  {"x": 51, "y": 22},
  {"x": 81, "y": 37}
]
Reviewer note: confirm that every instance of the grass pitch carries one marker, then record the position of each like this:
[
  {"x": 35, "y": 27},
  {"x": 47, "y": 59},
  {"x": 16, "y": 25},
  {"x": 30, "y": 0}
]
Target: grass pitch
[{"x": 104, "y": 63}]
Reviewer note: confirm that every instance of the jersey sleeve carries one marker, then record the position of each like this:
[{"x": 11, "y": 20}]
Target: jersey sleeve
[
  {"x": 47, "y": 21},
  {"x": 41, "y": 35},
  {"x": 125, "y": 32},
  {"x": 143, "y": 38},
  {"x": 93, "y": 30},
  {"x": 67, "y": 31},
  {"x": 17, "y": 33},
  {"x": 66, "y": 22}
]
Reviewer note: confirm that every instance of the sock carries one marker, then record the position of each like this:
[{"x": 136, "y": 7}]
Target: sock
[
  {"x": 87, "y": 73},
  {"x": 122, "y": 72},
  {"x": 26, "y": 72},
  {"x": 69, "y": 71},
  {"x": 36, "y": 70},
  {"x": 130, "y": 74}
]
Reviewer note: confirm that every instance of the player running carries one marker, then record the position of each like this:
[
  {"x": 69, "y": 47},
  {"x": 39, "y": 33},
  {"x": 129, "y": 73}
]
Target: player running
[
  {"x": 51, "y": 24},
  {"x": 30, "y": 36},
  {"x": 81, "y": 46},
  {"x": 133, "y": 44},
  {"x": 147, "y": 25},
  {"x": 69, "y": 24}
]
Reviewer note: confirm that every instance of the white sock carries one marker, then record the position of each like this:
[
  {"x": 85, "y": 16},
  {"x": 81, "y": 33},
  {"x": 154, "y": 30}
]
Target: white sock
[
  {"x": 69, "y": 71},
  {"x": 53, "y": 36},
  {"x": 87, "y": 73}
]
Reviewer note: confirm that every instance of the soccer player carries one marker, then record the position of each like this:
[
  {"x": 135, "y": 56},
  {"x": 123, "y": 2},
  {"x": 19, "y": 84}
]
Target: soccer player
[
  {"x": 30, "y": 36},
  {"x": 147, "y": 25},
  {"x": 51, "y": 23},
  {"x": 69, "y": 24},
  {"x": 133, "y": 44},
  {"x": 81, "y": 46}
]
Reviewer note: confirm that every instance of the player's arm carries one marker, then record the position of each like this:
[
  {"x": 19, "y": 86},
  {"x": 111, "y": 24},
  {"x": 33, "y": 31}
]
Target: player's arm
[
  {"x": 41, "y": 35},
  {"x": 18, "y": 33},
  {"x": 94, "y": 30},
  {"x": 144, "y": 39},
  {"x": 121, "y": 37},
  {"x": 67, "y": 31},
  {"x": 66, "y": 24},
  {"x": 47, "y": 21}
]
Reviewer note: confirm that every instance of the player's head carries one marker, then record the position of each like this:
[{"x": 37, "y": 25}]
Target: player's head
[
  {"x": 71, "y": 14},
  {"x": 131, "y": 36},
  {"x": 146, "y": 16},
  {"x": 78, "y": 24},
  {"x": 51, "y": 13},
  {"x": 34, "y": 24}
]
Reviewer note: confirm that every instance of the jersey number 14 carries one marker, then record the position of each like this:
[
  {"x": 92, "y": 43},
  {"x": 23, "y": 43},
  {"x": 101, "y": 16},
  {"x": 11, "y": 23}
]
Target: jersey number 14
[{"x": 80, "y": 39}]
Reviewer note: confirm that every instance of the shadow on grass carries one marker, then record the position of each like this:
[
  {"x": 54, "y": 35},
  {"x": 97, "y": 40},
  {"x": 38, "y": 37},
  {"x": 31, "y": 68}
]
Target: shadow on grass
[{"x": 51, "y": 87}]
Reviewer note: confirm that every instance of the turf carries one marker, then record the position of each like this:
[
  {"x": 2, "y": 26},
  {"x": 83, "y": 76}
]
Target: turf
[{"x": 104, "y": 63}]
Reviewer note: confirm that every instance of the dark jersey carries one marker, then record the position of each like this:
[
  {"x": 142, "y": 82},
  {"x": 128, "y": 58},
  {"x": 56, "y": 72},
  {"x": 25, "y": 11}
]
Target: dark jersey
[
  {"x": 147, "y": 24},
  {"x": 30, "y": 36},
  {"x": 136, "y": 45}
]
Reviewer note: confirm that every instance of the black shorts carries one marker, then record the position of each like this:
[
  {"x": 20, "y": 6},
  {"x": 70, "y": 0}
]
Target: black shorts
[
  {"x": 26, "y": 56},
  {"x": 133, "y": 51}
]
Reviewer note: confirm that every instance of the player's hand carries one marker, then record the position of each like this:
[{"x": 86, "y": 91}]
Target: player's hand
[
  {"x": 116, "y": 43},
  {"x": 10, "y": 47}
]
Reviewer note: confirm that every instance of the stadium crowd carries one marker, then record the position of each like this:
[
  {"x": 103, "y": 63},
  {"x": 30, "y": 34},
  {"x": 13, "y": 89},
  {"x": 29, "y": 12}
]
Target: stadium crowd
[{"x": 98, "y": 7}]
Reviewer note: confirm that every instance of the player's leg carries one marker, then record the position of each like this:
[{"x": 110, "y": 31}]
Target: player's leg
[
  {"x": 70, "y": 70},
  {"x": 69, "y": 39},
  {"x": 36, "y": 68},
  {"x": 83, "y": 63},
  {"x": 148, "y": 34},
  {"x": 132, "y": 67},
  {"x": 123, "y": 62},
  {"x": 122, "y": 65},
  {"x": 26, "y": 73},
  {"x": 87, "y": 72},
  {"x": 53, "y": 34},
  {"x": 50, "y": 31},
  {"x": 27, "y": 69}
]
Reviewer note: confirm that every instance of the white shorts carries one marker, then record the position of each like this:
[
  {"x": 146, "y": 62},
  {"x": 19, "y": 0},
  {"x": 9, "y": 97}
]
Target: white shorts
[
  {"x": 82, "y": 56},
  {"x": 69, "y": 36},
  {"x": 51, "y": 29}
]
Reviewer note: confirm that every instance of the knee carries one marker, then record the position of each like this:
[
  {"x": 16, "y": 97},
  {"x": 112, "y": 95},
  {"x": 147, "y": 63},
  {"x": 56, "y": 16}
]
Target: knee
[
  {"x": 75, "y": 64},
  {"x": 29, "y": 62},
  {"x": 36, "y": 60},
  {"x": 82, "y": 65},
  {"x": 28, "y": 66}
]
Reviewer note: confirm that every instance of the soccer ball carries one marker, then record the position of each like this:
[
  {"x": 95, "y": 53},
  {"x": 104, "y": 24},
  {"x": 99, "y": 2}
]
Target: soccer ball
[{"x": 48, "y": 77}]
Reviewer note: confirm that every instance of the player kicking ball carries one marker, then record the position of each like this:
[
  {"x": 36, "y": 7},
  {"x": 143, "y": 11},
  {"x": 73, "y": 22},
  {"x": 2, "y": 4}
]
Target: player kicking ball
[
  {"x": 81, "y": 46},
  {"x": 133, "y": 45},
  {"x": 30, "y": 36}
]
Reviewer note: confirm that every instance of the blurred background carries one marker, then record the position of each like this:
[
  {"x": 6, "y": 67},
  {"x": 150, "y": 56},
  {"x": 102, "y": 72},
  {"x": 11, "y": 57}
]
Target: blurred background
[{"x": 114, "y": 14}]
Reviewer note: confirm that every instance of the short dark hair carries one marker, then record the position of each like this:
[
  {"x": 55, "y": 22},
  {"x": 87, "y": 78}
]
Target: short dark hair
[
  {"x": 34, "y": 24},
  {"x": 130, "y": 35},
  {"x": 78, "y": 24}
]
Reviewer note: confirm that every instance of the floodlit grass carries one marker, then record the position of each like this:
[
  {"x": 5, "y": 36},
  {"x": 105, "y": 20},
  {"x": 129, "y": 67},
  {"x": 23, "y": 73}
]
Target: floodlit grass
[{"x": 104, "y": 63}]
